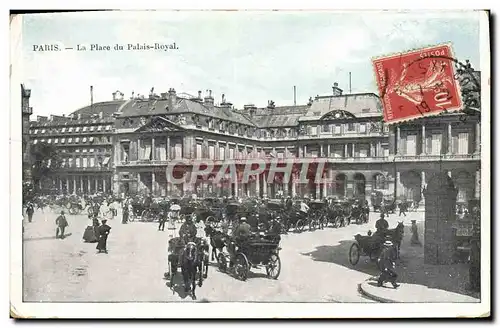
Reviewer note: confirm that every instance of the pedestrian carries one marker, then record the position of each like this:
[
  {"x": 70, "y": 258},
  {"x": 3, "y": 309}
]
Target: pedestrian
[
  {"x": 103, "y": 231},
  {"x": 414, "y": 233},
  {"x": 403, "y": 207},
  {"x": 475, "y": 266},
  {"x": 125, "y": 214},
  {"x": 387, "y": 265},
  {"x": 61, "y": 223},
  {"x": 29, "y": 211},
  {"x": 162, "y": 219}
]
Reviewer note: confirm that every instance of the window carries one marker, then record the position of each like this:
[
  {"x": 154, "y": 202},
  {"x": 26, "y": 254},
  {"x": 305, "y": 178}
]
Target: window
[
  {"x": 108, "y": 127},
  {"x": 43, "y": 130},
  {"x": 35, "y": 141},
  {"x": 363, "y": 150},
  {"x": 326, "y": 128},
  {"x": 436, "y": 144},
  {"x": 78, "y": 128},
  {"x": 338, "y": 129},
  {"x": 106, "y": 161},
  {"x": 125, "y": 153},
  {"x": 199, "y": 151},
  {"x": 77, "y": 150},
  {"x": 70, "y": 129},
  {"x": 63, "y": 130},
  {"x": 210, "y": 124},
  {"x": 92, "y": 128},
  {"x": 99, "y": 128},
  {"x": 63, "y": 140},
  {"x": 463, "y": 143},
  {"x": 178, "y": 150},
  {"x": 84, "y": 162},
  {"x": 84, "y": 150},
  {"x": 350, "y": 127},
  {"x": 211, "y": 152},
  {"x": 231, "y": 153},
  {"x": 92, "y": 162},
  {"x": 147, "y": 151},
  {"x": 84, "y": 139},
  {"x": 362, "y": 128},
  {"x": 85, "y": 128},
  {"x": 56, "y": 140},
  {"x": 222, "y": 152},
  {"x": 162, "y": 150},
  {"x": 91, "y": 150},
  {"x": 411, "y": 145},
  {"x": 49, "y": 141},
  {"x": 77, "y": 140},
  {"x": 77, "y": 162}
]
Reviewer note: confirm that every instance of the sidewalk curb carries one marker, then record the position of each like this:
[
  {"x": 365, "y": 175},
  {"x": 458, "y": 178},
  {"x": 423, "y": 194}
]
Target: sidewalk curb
[{"x": 373, "y": 297}]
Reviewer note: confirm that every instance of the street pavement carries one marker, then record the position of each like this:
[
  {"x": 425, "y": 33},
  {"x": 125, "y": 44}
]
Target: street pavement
[{"x": 315, "y": 266}]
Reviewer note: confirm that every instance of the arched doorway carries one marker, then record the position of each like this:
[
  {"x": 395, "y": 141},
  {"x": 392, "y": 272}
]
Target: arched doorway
[
  {"x": 411, "y": 182},
  {"x": 340, "y": 184},
  {"x": 465, "y": 187},
  {"x": 379, "y": 182},
  {"x": 359, "y": 185}
]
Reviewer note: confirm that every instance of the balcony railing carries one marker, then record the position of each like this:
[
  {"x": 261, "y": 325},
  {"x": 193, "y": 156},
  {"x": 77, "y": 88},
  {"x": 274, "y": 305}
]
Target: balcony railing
[
  {"x": 442, "y": 157},
  {"x": 85, "y": 169}
]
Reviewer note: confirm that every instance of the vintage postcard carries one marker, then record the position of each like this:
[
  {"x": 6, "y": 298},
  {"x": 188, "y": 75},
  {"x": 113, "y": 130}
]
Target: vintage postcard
[{"x": 250, "y": 164}]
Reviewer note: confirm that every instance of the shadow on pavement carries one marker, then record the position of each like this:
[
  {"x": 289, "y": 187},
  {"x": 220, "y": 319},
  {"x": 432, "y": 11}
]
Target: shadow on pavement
[
  {"x": 177, "y": 286},
  {"x": 46, "y": 238},
  {"x": 410, "y": 267}
]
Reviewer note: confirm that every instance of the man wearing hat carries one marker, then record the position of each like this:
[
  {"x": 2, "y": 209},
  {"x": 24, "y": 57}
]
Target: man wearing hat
[
  {"x": 188, "y": 230},
  {"x": 387, "y": 265},
  {"x": 61, "y": 223},
  {"x": 240, "y": 235},
  {"x": 103, "y": 232}
]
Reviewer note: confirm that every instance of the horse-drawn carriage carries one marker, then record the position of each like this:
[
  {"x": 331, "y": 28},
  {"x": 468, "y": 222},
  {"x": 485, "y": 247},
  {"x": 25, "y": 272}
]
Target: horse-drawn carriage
[
  {"x": 339, "y": 214},
  {"x": 75, "y": 207},
  {"x": 210, "y": 211},
  {"x": 259, "y": 251},
  {"x": 371, "y": 245},
  {"x": 192, "y": 258},
  {"x": 383, "y": 200}
]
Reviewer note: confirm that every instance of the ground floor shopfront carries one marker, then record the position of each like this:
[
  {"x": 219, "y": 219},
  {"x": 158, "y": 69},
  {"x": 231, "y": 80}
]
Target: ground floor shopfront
[{"x": 78, "y": 183}]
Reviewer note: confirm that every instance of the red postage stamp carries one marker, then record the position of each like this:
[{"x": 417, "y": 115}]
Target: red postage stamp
[{"x": 417, "y": 83}]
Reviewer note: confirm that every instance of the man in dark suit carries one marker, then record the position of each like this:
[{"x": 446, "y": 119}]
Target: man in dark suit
[{"x": 387, "y": 265}]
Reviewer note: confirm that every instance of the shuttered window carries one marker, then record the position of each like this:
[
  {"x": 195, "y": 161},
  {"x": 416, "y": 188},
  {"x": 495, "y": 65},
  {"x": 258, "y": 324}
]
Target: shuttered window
[
  {"x": 436, "y": 144},
  {"x": 463, "y": 143},
  {"x": 211, "y": 151},
  {"x": 199, "y": 151}
]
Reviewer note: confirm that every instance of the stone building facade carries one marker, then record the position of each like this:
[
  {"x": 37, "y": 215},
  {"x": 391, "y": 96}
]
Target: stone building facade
[
  {"x": 26, "y": 112},
  {"x": 135, "y": 140}
]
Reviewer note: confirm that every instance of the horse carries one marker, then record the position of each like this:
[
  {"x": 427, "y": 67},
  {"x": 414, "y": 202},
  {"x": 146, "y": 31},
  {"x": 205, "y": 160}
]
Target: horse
[
  {"x": 189, "y": 262},
  {"x": 217, "y": 240},
  {"x": 396, "y": 235}
]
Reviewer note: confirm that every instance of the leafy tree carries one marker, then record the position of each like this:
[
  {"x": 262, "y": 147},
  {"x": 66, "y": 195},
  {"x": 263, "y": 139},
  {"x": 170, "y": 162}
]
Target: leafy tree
[{"x": 45, "y": 159}]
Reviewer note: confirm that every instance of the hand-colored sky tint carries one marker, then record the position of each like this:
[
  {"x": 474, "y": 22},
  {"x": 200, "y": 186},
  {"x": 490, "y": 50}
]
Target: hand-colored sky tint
[{"x": 251, "y": 57}]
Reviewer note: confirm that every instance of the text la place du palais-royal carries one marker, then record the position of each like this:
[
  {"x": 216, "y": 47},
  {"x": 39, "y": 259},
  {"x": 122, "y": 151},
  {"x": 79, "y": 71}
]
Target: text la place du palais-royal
[{"x": 128, "y": 47}]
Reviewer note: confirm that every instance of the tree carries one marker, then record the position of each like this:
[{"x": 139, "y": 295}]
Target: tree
[{"x": 45, "y": 159}]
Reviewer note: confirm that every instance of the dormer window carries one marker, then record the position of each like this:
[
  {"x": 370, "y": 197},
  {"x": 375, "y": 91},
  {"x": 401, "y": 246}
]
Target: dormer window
[
  {"x": 85, "y": 128},
  {"x": 108, "y": 127},
  {"x": 221, "y": 126},
  {"x": 99, "y": 128},
  {"x": 70, "y": 129},
  {"x": 43, "y": 130},
  {"x": 210, "y": 124},
  {"x": 92, "y": 128},
  {"x": 63, "y": 130}
]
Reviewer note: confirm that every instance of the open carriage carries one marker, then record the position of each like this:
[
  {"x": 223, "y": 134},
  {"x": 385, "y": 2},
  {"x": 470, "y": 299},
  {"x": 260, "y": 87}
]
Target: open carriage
[{"x": 259, "y": 251}]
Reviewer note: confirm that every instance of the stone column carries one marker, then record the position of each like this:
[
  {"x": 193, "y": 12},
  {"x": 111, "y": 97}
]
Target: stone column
[
  {"x": 305, "y": 151},
  {"x": 81, "y": 184},
  {"x": 398, "y": 184},
  {"x": 328, "y": 149},
  {"x": 422, "y": 187},
  {"x": 60, "y": 185},
  {"x": 450, "y": 140},
  {"x": 423, "y": 143},
  {"x": 318, "y": 191},
  {"x": 378, "y": 151},
  {"x": 449, "y": 173},
  {"x": 168, "y": 148},
  {"x": 104, "y": 184},
  {"x": 353, "y": 150},
  {"x": 257, "y": 185},
  {"x": 320, "y": 150},
  {"x": 140, "y": 153},
  {"x": 153, "y": 149},
  {"x": 477, "y": 148},
  {"x": 294, "y": 184},
  {"x": 477, "y": 185},
  {"x": 325, "y": 190},
  {"x": 88, "y": 185},
  {"x": 67, "y": 185},
  {"x": 139, "y": 182},
  {"x": 74, "y": 185},
  {"x": 345, "y": 151},
  {"x": 398, "y": 141},
  {"x": 96, "y": 184},
  {"x": 153, "y": 182},
  {"x": 236, "y": 185},
  {"x": 264, "y": 183}
]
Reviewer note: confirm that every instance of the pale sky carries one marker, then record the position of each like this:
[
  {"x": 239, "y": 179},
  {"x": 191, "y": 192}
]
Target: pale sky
[{"x": 251, "y": 57}]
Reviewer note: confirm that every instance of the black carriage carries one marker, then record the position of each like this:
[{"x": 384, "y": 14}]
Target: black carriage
[
  {"x": 210, "y": 211},
  {"x": 75, "y": 208},
  {"x": 370, "y": 246},
  {"x": 318, "y": 215},
  {"x": 259, "y": 251}
]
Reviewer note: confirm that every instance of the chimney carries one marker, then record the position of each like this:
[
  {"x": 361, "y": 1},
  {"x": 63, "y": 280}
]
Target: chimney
[
  {"x": 224, "y": 103},
  {"x": 51, "y": 118},
  {"x": 270, "y": 104},
  {"x": 336, "y": 90},
  {"x": 209, "y": 100},
  {"x": 101, "y": 115},
  {"x": 251, "y": 109},
  {"x": 199, "y": 94},
  {"x": 172, "y": 99}
]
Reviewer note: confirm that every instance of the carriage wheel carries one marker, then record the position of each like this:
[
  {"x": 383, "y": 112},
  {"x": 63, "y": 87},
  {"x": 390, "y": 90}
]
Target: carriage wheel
[
  {"x": 241, "y": 267},
  {"x": 210, "y": 221},
  {"x": 143, "y": 215},
  {"x": 287, "y": 226},
  {"x": 68, "y": 205},
  {"x": 273, "y": 267},
  {"x": 221, "y": 259},
  {"x": 299, "y": 226},
  {"x": 312, "y": 224},
  {"x": 72, "y": 211},
  {"x": 324, "y": 222},
  {"x": 354, "y": 254}
]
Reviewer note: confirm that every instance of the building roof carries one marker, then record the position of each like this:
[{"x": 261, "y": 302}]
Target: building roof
[
  {"x": 276, "y": 117},
  {"x": 107, "y": 108},
  {"x": 359, "y": 104},
  {"x": 144, "y": 107}
]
